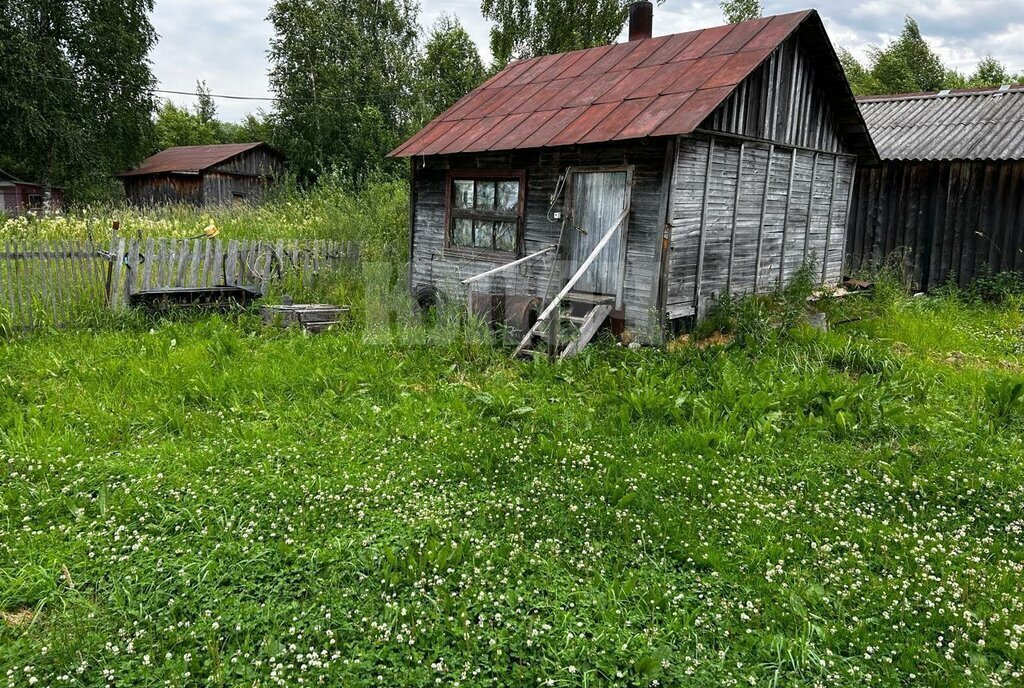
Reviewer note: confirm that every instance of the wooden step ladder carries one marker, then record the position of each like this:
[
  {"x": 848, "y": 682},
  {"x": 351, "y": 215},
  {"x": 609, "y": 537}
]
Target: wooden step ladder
[
  {"x": 595, "y": 310},
  {"x": 568, "y": 331}
]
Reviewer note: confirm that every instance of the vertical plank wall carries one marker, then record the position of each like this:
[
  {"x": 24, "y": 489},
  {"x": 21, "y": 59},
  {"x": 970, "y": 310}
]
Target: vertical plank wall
[
  {"x": 944, "y": 221},
  {"x": 762, "y": 188},
  {"x": 747, "y": 215}
]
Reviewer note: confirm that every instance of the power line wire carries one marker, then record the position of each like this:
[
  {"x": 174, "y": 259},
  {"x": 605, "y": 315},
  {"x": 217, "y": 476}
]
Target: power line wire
[{"x": 341, "y": 99}]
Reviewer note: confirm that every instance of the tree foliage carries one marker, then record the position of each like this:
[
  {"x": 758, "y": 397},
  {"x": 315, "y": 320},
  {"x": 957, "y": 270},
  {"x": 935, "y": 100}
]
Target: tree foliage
[
  {"x": 342, "y": 71},
  {"x": 527, "y": 28},
  {"x": 178, "y": 126},
  {"x": 857, "y": 75},
  {"x": 75, "y": 104},
  {"x": 736, "y": 11},
  {"x": 991, "y": 72},
  {"x": 451, "y": 67},
  {"x": 909, "y": 65},
  {"x": 252, "y": 128}
]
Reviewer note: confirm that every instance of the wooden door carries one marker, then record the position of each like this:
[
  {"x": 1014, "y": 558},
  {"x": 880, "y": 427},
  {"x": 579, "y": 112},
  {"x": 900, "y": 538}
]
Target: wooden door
[{"x": 598, "y": 197}]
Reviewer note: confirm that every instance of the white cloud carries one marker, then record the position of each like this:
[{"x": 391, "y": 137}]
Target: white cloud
[{"x": 224, "y": 42}]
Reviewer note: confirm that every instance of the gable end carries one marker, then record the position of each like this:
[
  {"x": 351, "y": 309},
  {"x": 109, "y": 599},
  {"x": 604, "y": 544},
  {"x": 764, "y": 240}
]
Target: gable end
[{"x": 798, "y": 97}]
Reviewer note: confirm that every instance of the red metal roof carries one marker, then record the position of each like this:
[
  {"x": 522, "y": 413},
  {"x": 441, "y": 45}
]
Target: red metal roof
[
  {"x": 189, "y": 159},
  {"x": 654, "y": 87}
]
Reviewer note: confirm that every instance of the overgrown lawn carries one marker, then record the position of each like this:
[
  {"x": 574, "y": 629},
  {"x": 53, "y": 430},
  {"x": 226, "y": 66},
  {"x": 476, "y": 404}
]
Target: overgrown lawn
[{"x": 212, "y": 503}]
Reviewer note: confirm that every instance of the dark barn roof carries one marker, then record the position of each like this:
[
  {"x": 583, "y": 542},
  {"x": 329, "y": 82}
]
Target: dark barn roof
[
  {"x": 660, "y": 86},
  {"x": 8, "y": 179},
  {"x": 972, "y": 124},
  {"x": 190, "y": 159}
]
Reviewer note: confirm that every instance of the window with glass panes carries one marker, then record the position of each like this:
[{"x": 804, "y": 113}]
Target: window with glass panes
[{"x": 485, "y": 212}]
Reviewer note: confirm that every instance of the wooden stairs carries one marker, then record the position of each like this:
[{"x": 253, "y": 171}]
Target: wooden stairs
[
  {"x": 568, "y": 328},
  {"x": 570, "y": 319}
]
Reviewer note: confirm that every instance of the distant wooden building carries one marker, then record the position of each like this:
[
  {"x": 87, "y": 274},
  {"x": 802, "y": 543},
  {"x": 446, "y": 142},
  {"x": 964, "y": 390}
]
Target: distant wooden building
[
  {"x": 949, "y": 196},
  {"x": 204, "y": 175},
  {"x": 665, "y": 173},
  {"x": 18, "y": 197}
]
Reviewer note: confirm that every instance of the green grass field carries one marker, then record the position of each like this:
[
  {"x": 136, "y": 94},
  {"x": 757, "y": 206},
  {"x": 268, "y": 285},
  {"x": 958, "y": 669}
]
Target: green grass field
[{"x": 208, "y": 503}]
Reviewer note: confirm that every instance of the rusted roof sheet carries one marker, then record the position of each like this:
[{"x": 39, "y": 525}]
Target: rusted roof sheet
[
  {"x": 189, "y": 159},
  {"x": 654, "y": 87},
  {"x": 970, "y": 124}
]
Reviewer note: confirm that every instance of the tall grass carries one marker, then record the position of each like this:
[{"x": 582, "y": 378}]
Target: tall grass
[{"x": 376, "y": 216}]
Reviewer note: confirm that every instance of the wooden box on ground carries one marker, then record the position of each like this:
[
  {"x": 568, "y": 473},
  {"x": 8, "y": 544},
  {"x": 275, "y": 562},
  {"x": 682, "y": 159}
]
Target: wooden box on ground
[{"x": 312, "y": 317}]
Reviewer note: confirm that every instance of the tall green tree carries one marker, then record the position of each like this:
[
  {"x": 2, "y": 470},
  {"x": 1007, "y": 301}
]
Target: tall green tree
[
  {"x": 451, "y": 67},
  {"x": 75, "y": 99},
  {"x": 206, "y": 109},
  {"x": 736, "y": 11},
  {"x": 343, "y": 71},
  {"x": 990, "y": 72},
  {"x": 528, "y": 28},
  {"x": 177, "y": 126},
  {"x": 861, "y": 81},
  {"x": 908, "y": 64}
]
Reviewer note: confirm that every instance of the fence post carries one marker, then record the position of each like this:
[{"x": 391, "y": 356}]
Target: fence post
[
  {"x": 131, "y": 269},
  {"x": 110, "y": 262},
  {"x": 230, "y": 263}
]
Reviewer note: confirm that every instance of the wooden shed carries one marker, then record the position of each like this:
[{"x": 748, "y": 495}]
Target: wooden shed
[
  {"x": 948, "y": 199},
  {"x": 18, "y": 197},
  {"x": 640, "y": 181},
  {"x": 204, "y": 175}
]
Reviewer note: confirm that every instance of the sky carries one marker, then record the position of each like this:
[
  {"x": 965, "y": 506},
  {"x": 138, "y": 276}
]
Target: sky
[{"x": 224, "y": 42}]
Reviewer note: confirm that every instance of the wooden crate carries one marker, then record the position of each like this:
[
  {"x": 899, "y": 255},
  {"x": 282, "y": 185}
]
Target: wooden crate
[{"x": 312, "y": 317}]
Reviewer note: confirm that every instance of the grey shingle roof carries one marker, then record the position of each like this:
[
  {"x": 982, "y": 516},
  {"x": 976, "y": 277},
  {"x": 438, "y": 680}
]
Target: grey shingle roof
[{"x": 978, "y": 124}]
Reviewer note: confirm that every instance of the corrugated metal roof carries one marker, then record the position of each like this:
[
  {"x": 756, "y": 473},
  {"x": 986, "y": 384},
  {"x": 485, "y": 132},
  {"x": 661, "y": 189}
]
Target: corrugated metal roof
[
  {"x": 189, "y": 159},
  {"x": 974, "y": 124},
  {"x": 653, "y": 87}
]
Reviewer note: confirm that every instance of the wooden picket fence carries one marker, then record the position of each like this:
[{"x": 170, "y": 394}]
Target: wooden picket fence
[{"x": 54, "y": 282}]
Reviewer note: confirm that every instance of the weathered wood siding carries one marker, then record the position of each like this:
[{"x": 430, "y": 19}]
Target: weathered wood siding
[
  {"x": 250, "y": 174},
  {"x": 747, "y": 215},
  {"x": 221, "y": 189},
  {"x": 444, "y": 268},
  {"x": 945, "y": 220},
  {"x": 782, "y": 101},
  {"x": 163, "y": 189},
  {"x": 244, "y": 178},
  {"x": 258, "y": 162},
  {"x": 16, "y": 197},
  {"x": 762, "y": 189}
]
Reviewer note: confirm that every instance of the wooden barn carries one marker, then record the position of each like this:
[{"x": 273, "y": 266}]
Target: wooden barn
[
  {"x": 231, "y": 173},
  {"x": 948, "y": 199},
  {"x": 638, "y": 182},
  {"x": 18, "y": 197}
]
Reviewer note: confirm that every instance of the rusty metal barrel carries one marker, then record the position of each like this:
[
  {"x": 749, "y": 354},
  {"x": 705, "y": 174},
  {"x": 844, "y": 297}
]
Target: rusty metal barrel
[
  {"x": 485, "y": 307},
  {"x": 521, "y": 314}
]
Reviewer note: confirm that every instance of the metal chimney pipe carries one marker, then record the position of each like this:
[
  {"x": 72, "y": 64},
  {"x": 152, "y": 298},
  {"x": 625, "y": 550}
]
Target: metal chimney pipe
[{"x": 641, "y": 19}]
